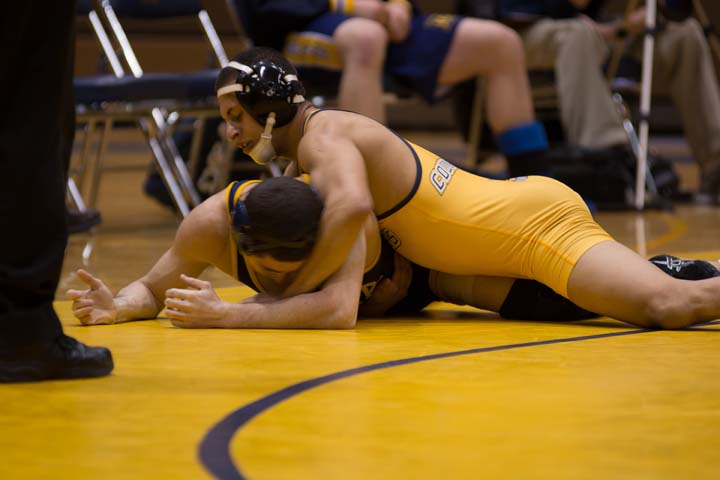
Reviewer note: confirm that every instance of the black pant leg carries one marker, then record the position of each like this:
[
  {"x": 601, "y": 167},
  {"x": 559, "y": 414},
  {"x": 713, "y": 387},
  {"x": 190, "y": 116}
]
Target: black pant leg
[{"x": 36, "y": 62}]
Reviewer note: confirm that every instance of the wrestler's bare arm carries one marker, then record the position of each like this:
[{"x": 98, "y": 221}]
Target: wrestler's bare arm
[
  {"x": 337, "y": 170},
  {"x": 334, "y": 306},
  {"x": 199, "y": 242}
]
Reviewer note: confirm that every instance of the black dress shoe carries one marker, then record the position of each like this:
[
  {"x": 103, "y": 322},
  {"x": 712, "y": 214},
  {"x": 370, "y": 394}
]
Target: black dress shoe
[
  {"x": 64, "y": 357},
  {"x": 82, "y": 221}
]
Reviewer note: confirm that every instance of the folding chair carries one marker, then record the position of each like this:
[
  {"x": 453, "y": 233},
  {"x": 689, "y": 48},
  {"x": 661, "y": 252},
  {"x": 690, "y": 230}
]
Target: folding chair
[{"x": 149, "y": 99}]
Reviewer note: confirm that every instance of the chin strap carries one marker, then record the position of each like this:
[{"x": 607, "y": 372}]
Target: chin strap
[{"x": 263, "y": 151}]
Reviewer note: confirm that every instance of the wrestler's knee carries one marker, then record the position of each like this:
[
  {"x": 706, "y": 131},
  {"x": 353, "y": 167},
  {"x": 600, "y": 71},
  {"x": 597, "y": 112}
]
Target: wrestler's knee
[
  {"x": 668, "y": 307},
  {"x": 362, "y": 41}
]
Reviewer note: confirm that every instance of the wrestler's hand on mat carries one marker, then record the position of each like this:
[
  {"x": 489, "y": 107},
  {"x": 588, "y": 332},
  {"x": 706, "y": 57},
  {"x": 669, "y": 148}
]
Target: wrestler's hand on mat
[
  {"x": 389, "y": 291},
  {"x": 197, "y": 306},
  {"x": 398, "y": 21},
  {"x": 94, "y": 306}
]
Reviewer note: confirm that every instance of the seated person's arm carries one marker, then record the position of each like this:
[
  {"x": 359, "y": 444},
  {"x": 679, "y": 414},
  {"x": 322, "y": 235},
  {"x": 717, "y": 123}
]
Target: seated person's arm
[
  {"x": 143, "y": 298},
  {"x": 334, "y": 306},
  {"x": 337, "y": 170}
]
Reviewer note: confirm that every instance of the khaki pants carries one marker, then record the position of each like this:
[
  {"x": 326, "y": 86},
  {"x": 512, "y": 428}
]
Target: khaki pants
[{"x": 683, "y": 68}]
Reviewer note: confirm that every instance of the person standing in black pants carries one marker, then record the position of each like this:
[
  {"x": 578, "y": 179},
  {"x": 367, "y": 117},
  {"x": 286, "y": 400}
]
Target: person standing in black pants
[{"x": 36, "y": 129}]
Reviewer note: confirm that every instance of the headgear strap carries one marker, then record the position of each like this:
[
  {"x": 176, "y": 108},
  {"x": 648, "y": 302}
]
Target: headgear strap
[{"x": 264, "y": 88}]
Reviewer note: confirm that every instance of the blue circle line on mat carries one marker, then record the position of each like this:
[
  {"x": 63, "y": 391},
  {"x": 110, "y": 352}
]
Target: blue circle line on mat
[{"x": 214, "y": 450}]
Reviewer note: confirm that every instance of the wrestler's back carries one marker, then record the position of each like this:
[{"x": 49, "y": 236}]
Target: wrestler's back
[{"x": 390, "y": 165}]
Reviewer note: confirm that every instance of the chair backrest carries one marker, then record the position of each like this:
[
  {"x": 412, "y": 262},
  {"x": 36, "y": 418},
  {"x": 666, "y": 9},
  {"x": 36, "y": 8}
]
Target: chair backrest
[
  {"x": 151, "y": 11},
  {"x": 87, "y": 9}
]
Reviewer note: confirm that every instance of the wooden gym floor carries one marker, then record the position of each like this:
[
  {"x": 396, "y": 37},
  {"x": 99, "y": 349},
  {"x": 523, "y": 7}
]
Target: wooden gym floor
[{"x": 454, "y": 393}]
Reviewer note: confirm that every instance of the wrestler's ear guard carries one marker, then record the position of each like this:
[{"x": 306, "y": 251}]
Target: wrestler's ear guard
[{"x": 263, "y": 151}]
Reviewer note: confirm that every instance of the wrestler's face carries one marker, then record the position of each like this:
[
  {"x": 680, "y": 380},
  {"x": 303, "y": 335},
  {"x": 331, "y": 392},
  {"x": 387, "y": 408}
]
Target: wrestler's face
[
  {"x": 276, "y": 274},
  {"x": 242, "y": 130}
]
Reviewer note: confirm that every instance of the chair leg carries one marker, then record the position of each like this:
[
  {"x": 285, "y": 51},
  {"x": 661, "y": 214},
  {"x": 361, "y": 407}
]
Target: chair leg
[
  {"x": 74, "y": 196},
  {"x": 163, "y": 165},
  {"x": 198, "y": 132},
  {"x": 89, "y": 130},
  {"x": 183, "y": 176},
  {"x": 97, "y": 164},
  {"x": 475, "y": 136},
  {"x": 634, "y": 141}
]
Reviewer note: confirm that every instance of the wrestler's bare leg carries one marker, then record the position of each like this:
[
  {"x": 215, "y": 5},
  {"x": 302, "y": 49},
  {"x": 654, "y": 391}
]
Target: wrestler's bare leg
[{"x": 613, "y": 280}]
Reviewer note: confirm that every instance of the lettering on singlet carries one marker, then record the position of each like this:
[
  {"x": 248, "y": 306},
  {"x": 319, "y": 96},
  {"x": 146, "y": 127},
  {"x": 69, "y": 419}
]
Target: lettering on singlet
[
  {"x": 368, "y": 289},
  {"x": 391, "y": 238},
  {"x": 441, "y": 174}
]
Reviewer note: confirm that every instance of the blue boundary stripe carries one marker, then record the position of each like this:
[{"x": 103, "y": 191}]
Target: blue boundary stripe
[{"x": 214, "y": 449}]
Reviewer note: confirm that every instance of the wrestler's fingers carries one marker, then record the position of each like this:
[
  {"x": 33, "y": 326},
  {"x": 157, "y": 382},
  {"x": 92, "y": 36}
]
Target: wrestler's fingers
[
  {"x": 177, "y": 315},
  {"x": 176, "y": 304},
  {"x": 179, "y": 293},
  {"x": 85, "y": 318},
  {"x": 82, "y": 302},
  {"x": 83, "y": 312},
  {"x": 194, "y": 282},
  {"x": 75, "y": 294},
  {"x": 91, "y": 281}
]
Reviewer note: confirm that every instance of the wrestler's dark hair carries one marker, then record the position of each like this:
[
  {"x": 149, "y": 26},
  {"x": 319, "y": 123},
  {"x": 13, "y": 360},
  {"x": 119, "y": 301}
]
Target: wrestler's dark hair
[
  {"x": 266, "y": 86},
  {"x": 279, "y": 217}
]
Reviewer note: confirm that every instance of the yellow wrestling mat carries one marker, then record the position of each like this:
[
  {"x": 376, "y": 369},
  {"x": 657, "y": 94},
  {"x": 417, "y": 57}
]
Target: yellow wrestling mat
[{"x": 456, "y": 393}]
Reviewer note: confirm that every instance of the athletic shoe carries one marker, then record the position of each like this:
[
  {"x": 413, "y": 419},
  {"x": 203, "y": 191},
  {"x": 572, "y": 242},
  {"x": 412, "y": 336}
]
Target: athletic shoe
[{"x": 685, "y": 269}]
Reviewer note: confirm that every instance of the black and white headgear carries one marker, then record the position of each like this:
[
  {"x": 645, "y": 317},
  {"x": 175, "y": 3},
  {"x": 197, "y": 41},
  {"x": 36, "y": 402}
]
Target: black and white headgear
[{"x": 265, "y": 87}]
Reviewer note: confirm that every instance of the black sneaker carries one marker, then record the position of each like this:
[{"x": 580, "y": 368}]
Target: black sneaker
[
  {"x": 64, "y": 357},
  {"x": 685, "y": 269}
]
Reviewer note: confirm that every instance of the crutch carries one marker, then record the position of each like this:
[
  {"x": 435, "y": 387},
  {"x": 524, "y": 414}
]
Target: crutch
[
  {"x": 643, "y": 180},
  {"x": 645, "y": 91}
]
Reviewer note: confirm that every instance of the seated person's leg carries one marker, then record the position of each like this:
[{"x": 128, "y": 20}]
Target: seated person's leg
[
  {"x": 360, "y": 44},
  {"x": 443, "y": 50},
  {"x": 684, "y": 68},
  {"x": 576, "y": 53}
]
